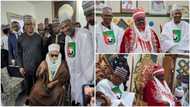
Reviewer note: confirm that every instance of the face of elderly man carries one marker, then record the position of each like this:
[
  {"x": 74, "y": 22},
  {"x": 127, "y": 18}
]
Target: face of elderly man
[
  {"x": 117, "y": 80},
  {"x": 29, "y": 27},
  {"x": 53, "y": 55},
  {"x": 55, "y": 27},
  {"x": 15, "y": 26},
  {"x": 140, "y": 24},
  {"x": 66, "y": 27},
  {"x": 177, "y": 16},
  {"x": 41, "y": 28},
  {"x": 90, "y": 19},
  {"x": 107, "y": 15}
]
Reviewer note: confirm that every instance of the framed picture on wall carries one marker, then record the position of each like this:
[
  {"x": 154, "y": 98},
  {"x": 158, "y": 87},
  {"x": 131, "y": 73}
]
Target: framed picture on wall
[
  {"x": 157, "y": 8},
  {"x": 128, "y": 6}
]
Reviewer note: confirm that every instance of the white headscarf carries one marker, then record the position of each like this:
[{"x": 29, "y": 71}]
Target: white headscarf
[{"x": 53, "y": 67}]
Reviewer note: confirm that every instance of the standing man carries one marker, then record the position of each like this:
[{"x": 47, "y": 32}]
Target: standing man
[
  {"x": 55, "y": 31},
  {"x": 79, "y": 57},
  {"x": 175, "y": 34},
  {"x": 5, "y": 29},
  {"x": 57, "y": 36},
  {"x": 41, "y": 29},
  {"x": 108, "y": 35},
  {"x": 29, "y": 47},
  {"x": 44, "y": 36},
  {"x": 140, "y": 38},
  {"x": 156, "y": 90},
  {"x": 88, "y": 7},
  {"x": 12, "y": 40}
]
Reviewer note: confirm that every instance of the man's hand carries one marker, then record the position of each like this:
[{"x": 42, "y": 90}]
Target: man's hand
[
  {"x": 106, "y": 101},
  {"x": 22, "y": 72},
  {"x": 52, "y": 84}
]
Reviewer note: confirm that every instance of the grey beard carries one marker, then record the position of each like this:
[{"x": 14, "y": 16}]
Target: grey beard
[
  {"x": 71, "y": 32},
  {"x": 30, "y": 34}
]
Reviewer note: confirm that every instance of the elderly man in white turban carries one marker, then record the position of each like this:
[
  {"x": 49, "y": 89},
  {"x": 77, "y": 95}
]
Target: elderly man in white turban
[
  {"x": 108, "y": 34},
  {"x": 51, "y": 76},
  {"x": 79, "y": 54},
  {"x": 175, "y": 34}
]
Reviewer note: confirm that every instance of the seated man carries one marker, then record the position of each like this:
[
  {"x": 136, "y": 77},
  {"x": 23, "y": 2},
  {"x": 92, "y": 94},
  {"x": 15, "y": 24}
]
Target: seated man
[
  {"x": 175, "y": 33},
  {"x": 140, "y": 38},
  {"x": 156, "y": 90},
  {"x": 111, "y": 90},
  {"x": 51, "y": 76}
]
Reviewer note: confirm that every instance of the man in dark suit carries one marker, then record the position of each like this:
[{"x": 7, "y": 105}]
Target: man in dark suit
[{"x": 12, "y": 40}]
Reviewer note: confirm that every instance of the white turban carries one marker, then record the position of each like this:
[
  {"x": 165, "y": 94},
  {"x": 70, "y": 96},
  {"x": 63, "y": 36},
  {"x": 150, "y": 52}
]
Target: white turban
[
  {"x": 176, "y": 7},
  {"x": 54, "y": 47}
]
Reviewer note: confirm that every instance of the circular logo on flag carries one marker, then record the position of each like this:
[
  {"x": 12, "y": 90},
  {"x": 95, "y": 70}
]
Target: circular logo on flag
[
  {"x": 176, "y": 35},
  {"x": 70, "y": 51},
  {"x": 110, "y": 39}
]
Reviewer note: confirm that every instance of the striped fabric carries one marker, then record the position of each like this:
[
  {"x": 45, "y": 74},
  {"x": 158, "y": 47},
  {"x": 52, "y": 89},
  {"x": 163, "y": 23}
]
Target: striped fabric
[{"x": 120, "y": 71}]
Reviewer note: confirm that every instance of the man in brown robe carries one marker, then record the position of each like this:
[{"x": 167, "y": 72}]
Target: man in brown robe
[{"x": 51, "y": 76}]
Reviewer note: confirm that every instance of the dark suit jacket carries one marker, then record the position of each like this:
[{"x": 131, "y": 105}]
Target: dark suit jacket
[{"x": 12, "y": 42}]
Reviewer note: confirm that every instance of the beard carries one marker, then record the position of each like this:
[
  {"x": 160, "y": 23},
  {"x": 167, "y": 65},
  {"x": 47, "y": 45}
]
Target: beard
[
  {"x": 91, "y": 22},
  {"x": 70, "y": 32}
]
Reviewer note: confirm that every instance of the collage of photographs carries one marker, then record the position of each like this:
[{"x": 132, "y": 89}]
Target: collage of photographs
[{"x": 95, "y": 53}]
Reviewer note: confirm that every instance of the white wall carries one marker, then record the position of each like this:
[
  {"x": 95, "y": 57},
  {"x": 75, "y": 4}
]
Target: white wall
[
  {"x": 38, "y": 9},
  {"x": 17, "y": 7},
  {"x": 43, "y": 10}
]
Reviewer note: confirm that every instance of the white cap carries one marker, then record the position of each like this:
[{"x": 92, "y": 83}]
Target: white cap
[
  {"x": 176, "y": 7},
  {"x": 179, "y": 92},
  {"x": 106, "y": 9},
  {"x": 54, "y": 47}
]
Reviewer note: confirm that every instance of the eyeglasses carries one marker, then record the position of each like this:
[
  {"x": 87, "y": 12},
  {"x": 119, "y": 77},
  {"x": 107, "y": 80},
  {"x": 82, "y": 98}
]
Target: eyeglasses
[{"x": 54, "y": 55}]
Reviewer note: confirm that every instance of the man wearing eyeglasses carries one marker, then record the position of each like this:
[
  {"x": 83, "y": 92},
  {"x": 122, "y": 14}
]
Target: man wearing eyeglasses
[
  {"x": 108, "y": 34},
  {"x": 51, "y": 76}
]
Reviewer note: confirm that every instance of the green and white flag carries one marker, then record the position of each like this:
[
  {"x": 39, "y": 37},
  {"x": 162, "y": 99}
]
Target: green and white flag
[
  {"x": 71, "y": 49},
  {"x": 176, "y": 35},
  {"x": 109, "y": 37}
]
